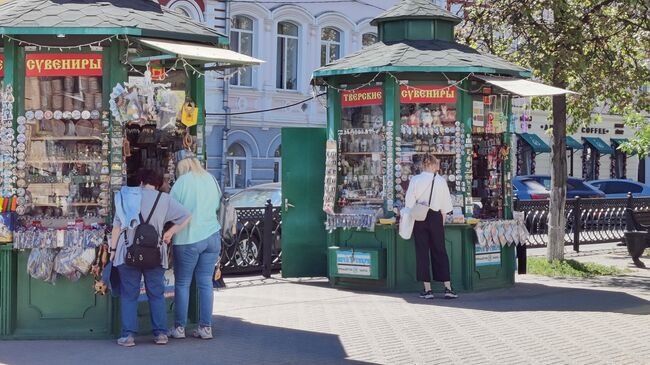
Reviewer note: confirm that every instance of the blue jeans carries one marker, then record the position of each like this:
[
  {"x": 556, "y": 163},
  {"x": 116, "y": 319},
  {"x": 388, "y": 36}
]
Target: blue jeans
[
  {"x": 197, "y": 259},
  {"x": 154, "y": 281}
]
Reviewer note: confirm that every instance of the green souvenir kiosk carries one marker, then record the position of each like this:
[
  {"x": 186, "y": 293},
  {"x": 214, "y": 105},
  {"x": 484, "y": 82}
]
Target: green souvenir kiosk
[
  {"x": 415, "y": 91},
  {"x": 92, "y": 91}
]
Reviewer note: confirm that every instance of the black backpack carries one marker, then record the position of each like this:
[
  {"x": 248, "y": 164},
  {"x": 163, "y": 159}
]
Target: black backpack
[{"x": 144, "y": 253}]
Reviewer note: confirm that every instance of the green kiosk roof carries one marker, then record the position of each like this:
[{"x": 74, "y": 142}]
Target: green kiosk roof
[
  {"x": 89, "y": 17},
  {"x": 420, "y": 56},
  {"x": 536, "y": 143},
  {"x": 601, "y": 146},
  {"x": 571, "y": 143}
]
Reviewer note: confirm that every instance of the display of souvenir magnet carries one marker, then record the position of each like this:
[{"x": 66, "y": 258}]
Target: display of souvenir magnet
[
  {"x": 76, "y": 115},
  {"x": 21, "y": 147},
  {"x": 21, "y": 183},
  {"x": 398, "y": 187},
  {"x": 95, "y": 114},
  {"x": 21, "y": 120},
  {"x": 85, "y": 114},
  {"x": 57, "y": 114},
  {"x": 21, "y": 138},
  {"x": 38, "y": 115}
]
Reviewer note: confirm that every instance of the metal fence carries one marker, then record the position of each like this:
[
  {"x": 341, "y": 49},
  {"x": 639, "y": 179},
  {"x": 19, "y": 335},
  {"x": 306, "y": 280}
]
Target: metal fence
[
  {"x": 588, "y": 220},
  {"x": 256, "y": 246}
]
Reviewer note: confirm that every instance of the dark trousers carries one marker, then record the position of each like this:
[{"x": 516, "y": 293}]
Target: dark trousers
[{"x": 429, "y": 236}]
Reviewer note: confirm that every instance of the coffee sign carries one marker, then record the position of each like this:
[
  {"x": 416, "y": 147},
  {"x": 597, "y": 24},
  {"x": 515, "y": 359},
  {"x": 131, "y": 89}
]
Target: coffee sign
[{"x": 46, "y": 64}]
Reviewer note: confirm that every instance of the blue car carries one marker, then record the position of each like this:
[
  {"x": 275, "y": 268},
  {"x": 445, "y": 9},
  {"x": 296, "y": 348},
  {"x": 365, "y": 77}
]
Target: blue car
[
  {"x": 618, "y": 188},
  {"x": 529, "y": 189},
  {"x": 575, "y": 187}
]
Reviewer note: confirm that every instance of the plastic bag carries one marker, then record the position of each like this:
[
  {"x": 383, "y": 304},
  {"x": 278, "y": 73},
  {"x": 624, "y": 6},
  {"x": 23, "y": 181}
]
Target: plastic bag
[
  {"x": 40, "y": 264},
  {"x": 83, "y": 262},
  {"x": 63, "y": 262}
]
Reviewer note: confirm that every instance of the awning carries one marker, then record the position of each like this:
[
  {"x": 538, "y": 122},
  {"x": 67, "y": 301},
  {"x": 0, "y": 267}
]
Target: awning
[
  {"x": 523, "y": 87},
  {"x": 571, "y": 143},
  {"x": 620, "y": 141},
  {"x": 200, "y": 52},
  {"x": 536, "y": 143},
  {"x": 601, "y": 146}
]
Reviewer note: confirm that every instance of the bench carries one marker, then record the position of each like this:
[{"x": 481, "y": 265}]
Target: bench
[{"x": 637, "y": 234}]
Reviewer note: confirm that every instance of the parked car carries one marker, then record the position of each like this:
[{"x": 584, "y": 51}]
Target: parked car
[
  {"x": 575, "y": 187},
  {"x": 618, "y": 188},
  {"x": 243, "y": 252},
  {"x": 256, "y": 196},
  {"x": 526, "y": 188}
]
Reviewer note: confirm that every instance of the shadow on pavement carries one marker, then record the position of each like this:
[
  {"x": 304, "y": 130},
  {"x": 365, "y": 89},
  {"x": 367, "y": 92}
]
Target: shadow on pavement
[
  {"x": 540, "y": 297},
  {"x": 235, "y": 342}
]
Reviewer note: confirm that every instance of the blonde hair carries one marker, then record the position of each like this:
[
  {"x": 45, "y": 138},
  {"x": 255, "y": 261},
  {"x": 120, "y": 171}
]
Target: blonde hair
[
  {"x": 429, "y": 160},
  {"x": 189, "y": 164}
]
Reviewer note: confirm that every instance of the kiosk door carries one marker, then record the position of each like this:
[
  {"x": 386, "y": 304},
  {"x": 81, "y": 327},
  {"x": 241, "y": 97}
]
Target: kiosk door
[{"x": 304, "y": 240}]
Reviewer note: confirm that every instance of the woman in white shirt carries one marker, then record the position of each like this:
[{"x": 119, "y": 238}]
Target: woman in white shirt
[{"x": 429, "y": 188}]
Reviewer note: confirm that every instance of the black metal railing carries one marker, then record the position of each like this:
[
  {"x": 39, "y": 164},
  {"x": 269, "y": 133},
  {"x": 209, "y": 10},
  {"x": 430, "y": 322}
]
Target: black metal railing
[
  {"x": 588, "y": 220},
  {"x": 256, "y": 246}
]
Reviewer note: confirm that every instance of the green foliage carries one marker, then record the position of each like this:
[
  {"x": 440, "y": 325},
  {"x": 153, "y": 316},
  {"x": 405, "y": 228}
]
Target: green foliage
[
  {"x": 641, "y": 141},
  {"x": 570, "y": 268},
  {"x": 598, "y": 48}
]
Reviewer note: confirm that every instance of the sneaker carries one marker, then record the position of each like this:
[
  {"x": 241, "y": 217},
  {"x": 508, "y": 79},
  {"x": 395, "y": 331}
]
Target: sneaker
[
  {"x": 161, "y": 339},
  {"x": 203, "y": 332},
  {"x": 426, "y": 295},
  {"x": 177, "y": 332},
  {"x": 126, "y": 341},
  {"x": 450, "y": 294}
]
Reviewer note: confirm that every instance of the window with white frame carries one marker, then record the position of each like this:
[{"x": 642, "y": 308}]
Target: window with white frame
[
  {"x": 241, "y": 40},
  {"x": 368, "y": 39},
  {"x": 287, "y": 61},
  {"x": 277, "y": 165},
  {"x": 235, "y": 176},
  {"x": 330, "y": 46}
]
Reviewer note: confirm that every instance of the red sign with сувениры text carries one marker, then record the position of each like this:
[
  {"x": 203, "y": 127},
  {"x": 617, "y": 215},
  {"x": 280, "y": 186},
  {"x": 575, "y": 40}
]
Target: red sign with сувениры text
[
  {"x": 362, "y": 97},
  {"x": 427, "y": 94},
  {"x": 49, "y": 64}
]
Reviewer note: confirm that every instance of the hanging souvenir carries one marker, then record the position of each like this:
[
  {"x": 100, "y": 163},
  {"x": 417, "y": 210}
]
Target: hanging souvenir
[{"x": 189, "y": 114}]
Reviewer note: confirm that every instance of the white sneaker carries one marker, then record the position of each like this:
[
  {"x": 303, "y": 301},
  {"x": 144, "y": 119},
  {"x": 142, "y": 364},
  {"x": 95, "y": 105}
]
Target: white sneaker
[
  {"x": 203, "y": 332},
  {"x": 177, "y": 332}
]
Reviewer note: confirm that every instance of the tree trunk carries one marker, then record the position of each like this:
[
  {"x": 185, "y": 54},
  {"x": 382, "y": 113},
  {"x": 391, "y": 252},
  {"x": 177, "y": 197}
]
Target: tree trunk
[{"x": 557, "y": 220}]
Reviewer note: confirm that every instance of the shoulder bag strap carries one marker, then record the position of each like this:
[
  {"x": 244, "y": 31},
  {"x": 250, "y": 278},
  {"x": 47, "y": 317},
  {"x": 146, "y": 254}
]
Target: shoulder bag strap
[
  {"x": 433, "y": 182},
  {"x": 155, "y": 204},
  {"x": 123, "y": 211}
]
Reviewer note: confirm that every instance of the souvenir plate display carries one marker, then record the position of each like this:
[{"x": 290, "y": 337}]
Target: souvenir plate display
[
  {"x": 8, "y": 144},
  {"x": 428, "y": 125},
  {"x": 329, "y": 197}
]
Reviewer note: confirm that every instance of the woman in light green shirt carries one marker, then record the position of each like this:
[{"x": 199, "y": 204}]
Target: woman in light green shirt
[{"x": 198, "y": 245}]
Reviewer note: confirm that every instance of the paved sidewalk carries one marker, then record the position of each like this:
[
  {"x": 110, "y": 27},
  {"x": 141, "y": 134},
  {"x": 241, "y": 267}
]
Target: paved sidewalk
[{"x": 276, "y": 321}]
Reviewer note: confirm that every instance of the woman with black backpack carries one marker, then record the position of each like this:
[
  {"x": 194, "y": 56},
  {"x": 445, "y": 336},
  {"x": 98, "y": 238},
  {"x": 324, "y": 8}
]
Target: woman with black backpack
[{"x": 139, "y": 248}]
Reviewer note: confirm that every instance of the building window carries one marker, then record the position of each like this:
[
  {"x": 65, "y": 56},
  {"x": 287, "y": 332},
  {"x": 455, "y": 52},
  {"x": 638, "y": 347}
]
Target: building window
[
  {"x": 368, "y": 39},
  {"x": 235, "y": 176},
  {"x": 277, "y": 165},
  {"x": 241, "y": 40},
  {"x": 287, "y": 62},
  {"x": 330, "y": 46}
]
